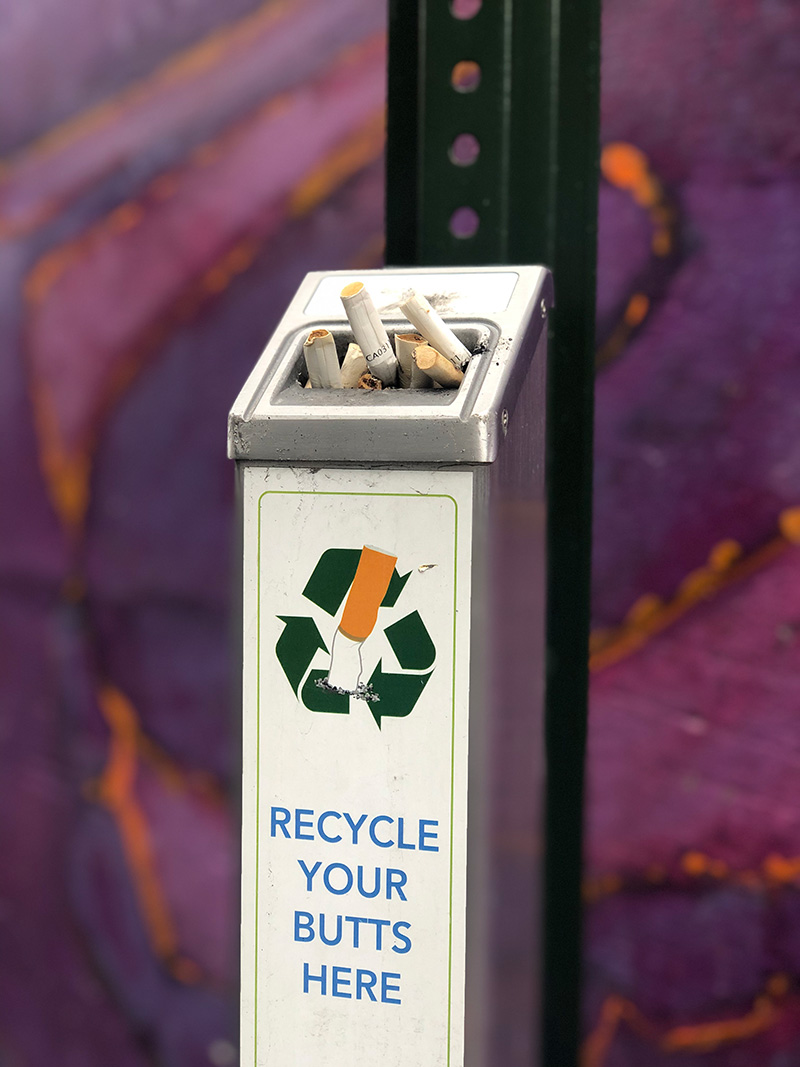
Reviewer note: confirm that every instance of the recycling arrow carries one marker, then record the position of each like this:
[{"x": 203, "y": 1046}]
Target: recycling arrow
[
  {"x": 333, "y": 575},
  {"x": 296, "y": 647},
  {"x": 320, "y": 698},
  {"x": 411, "y": 643},
  {"x": 397, "y": 693},
  {"x": 391, "y": 695}
]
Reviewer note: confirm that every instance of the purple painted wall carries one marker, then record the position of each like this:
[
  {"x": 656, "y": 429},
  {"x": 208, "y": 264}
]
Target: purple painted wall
[{"x": 170, "y": 172}]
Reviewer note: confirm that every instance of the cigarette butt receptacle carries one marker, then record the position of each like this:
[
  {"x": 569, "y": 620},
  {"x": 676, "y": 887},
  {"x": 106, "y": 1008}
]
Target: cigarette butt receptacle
[{"x": 392, "y": 831}]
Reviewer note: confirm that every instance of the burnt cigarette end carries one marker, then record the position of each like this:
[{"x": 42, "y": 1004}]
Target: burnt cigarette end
[
  {"x": 369, "y": 381},
  {"x": 315, "y": 334}
]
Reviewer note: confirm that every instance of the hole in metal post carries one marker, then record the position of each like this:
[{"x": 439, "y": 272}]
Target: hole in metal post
[
  {"x": 465, "y": 76},
  {"x": 464, "y": 150},
  {"x": 465, "y": 9},
  {"x": 464, "y": 222}
]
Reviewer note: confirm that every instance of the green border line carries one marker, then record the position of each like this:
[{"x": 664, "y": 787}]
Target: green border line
[{"x": 413, "y": 496}]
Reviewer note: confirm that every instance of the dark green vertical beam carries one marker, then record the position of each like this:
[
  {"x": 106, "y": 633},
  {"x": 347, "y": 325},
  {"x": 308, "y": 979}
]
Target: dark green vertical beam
[{"x": 534, "y": 187}]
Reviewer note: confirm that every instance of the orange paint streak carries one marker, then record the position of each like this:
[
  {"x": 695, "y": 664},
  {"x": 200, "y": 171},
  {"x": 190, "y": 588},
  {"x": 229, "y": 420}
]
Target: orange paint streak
[
  {"x": 115, "y": 789},
  {"x": 624, "y": 165},
  {"x": 358, "y": 151},
  {"x": 213, "y": 51},
  {"x": 116, "y": 792},
  {"x": 636, "y": 311},
  {"x": 67, "y": 472},
  {"x": 790, "y": 525},
  {"x": 695, "y": 1037},
  {"x": 66, "y": 476},
  {"x": 628, "y": 168},
  {"x": 598, "y": 1044},
  {"x": 649, "y": 616},
  {"x": 776, "y": 872},
  {"x": 370, "y": 254},
  {"x": 661, "y": 243},
  {"x": 323, "y": 179},
  {"x": 704, "y": 1037},
  {"x": 173, "y": 777}
]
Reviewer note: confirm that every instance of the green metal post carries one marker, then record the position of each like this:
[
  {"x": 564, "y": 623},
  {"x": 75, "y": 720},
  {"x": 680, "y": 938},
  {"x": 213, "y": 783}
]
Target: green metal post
[{"x": 533, "y": 186}]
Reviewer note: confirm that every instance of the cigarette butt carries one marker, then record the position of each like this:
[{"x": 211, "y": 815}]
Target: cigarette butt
[
  {"x": 420, "y": 380},
  {"x": 369, "y": 332},
  {"x": 406, "y": 343},
  {"x": 433, "y": 328},
  {"x": 369, "y": 381},
  {"x": 322, "y": 362},
  {"x": 437, "y": 367},
  {"x": 373, "y": 574},
  {"x": 353, "y": 366}
]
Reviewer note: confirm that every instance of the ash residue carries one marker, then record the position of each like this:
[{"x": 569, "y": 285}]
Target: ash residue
[{"x": 363, "y": 690}]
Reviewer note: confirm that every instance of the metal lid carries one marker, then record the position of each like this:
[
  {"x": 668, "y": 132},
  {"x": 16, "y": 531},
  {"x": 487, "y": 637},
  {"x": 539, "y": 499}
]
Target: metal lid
[{"x": 498, "y": 312}]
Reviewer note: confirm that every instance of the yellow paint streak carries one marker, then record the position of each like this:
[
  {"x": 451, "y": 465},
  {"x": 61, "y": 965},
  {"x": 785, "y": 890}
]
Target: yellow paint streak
[{"x": 364, "y": 146}]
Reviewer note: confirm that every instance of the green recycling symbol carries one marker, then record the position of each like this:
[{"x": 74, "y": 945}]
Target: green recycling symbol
[{"x": 390, "y": 695}]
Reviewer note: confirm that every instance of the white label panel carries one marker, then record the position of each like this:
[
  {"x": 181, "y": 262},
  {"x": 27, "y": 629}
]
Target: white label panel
[{"x": 354, "y": 806}]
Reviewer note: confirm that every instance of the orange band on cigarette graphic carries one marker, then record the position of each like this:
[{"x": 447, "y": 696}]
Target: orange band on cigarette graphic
[
  {"x": 373, "y": 574},
  {"x": 370, "y": 584}
]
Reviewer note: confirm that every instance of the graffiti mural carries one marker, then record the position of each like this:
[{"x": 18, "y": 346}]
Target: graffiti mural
[{"x": 169, "y": 173}]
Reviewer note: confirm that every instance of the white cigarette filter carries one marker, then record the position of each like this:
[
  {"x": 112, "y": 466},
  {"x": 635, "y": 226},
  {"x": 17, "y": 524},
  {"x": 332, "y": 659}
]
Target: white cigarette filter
[
  {"x": 437, "y": 367},
  {"x": 369, "y": 332},
  {"x": 406, "y": 343},
  {"x": 433, "y": 328},
  {"x": 322, "y": 361},
  {"x": 353, "y": 366}
]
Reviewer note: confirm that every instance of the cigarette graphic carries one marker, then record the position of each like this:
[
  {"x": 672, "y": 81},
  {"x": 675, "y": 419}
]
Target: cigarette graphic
[
  {"x": 369, "y": 332},
  {"x": 373, "y": 574}
]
